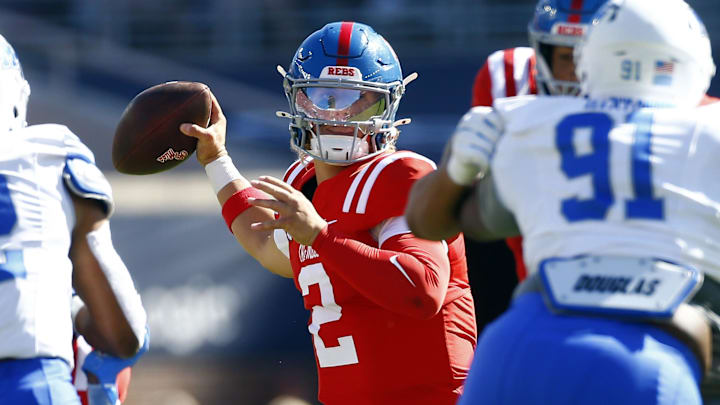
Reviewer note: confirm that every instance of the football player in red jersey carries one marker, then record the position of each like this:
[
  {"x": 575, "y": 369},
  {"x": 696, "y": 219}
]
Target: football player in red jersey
[
  {"x": 546, "y": 68},
  {"x": 392, "y": 318}
]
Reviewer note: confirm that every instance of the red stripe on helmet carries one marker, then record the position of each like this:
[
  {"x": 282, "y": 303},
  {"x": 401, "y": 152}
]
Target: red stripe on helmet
[
  {"x": 344, "y": 42},
  {"x": 577, "y": 6},
  {"x": 508, "y": 58}
]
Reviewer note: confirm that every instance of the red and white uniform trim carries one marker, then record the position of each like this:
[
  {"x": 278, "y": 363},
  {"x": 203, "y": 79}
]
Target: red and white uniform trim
[
  {"x": 81, "y": 349},
  {"x": 507, "y": 73},
  {"x": 377, "y": 169},
  {"x": 80, "y": 380},
  {"x": 292, "y": 172}
]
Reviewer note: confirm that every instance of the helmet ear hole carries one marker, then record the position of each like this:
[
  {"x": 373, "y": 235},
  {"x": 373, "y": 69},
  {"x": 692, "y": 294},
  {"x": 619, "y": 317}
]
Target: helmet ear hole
[{"x": 16, "y": 113}]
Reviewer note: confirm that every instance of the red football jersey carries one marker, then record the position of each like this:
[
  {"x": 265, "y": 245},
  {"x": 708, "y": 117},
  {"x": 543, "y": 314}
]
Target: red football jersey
[
  {"x": 366, "y": 353},
  {"x": 507, "y": 73}
]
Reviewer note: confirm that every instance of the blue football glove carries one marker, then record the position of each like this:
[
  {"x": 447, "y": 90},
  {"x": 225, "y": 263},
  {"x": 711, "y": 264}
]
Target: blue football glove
[{"x": 106, "y": 368}]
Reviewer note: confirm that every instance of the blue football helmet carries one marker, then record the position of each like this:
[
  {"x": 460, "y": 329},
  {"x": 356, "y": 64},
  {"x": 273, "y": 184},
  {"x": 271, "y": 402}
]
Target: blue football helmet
[
  {"x": 558, "y": 23},
  {"x": 15, "y": 89},
  {"x": 343, "y": 86}
]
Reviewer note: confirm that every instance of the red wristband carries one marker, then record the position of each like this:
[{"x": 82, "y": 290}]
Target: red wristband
[{"x": 238, "y": 203}]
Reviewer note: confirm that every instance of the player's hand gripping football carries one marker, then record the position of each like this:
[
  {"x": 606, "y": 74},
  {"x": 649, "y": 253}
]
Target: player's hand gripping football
[
  {"x": 473, "y": 144},
  {"x": 297, "y": 216},
  {"x": 211, "y": 140}
]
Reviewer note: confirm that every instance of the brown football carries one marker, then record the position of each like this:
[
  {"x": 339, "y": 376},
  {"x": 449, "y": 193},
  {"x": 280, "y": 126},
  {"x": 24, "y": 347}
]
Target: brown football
[{"x": 148, "y": 139}]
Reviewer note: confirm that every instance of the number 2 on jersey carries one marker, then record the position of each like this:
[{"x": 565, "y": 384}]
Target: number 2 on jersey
[
  {"x": 344, "y": 353},
  {"x": 597, "y": 164}
]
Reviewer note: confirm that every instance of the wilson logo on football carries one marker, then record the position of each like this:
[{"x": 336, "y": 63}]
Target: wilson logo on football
[{"x": 170, "y": 154}]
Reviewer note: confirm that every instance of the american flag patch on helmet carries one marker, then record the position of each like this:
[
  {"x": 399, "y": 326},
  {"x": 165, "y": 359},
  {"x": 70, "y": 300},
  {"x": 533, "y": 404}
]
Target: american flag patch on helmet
[{"x": 663, "y": 72}]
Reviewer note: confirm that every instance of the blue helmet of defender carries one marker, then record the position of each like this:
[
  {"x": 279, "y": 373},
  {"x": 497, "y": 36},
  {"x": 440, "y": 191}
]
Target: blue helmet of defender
[{"x": 558, "y": 23}]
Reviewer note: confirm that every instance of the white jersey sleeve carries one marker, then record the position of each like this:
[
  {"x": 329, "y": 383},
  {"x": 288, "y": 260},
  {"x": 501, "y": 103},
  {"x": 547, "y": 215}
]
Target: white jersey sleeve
[
  {"x": 606, "y": 178},
  {"x": 37, "y": 217}
]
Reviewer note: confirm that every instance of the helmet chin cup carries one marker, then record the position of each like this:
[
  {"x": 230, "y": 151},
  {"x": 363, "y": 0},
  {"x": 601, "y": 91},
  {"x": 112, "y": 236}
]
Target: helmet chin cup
[{"x": 338, "y": 149}]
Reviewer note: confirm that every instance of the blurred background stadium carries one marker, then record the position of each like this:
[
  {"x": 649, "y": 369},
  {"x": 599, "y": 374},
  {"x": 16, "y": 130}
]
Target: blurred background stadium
[{"x": 224, "y": 331}]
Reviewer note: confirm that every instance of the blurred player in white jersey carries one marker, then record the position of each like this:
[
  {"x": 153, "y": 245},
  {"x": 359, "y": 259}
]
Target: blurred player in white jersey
[
  {"x": 545, "y": 68},
  {"x": 55, "y": 237},
  {"x": 617, "y": 201}
]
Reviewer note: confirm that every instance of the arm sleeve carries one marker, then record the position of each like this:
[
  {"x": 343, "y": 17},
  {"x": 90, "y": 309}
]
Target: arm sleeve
[
  {"x": 407, "y": 275},
  {"x": 483, "y": 216}
]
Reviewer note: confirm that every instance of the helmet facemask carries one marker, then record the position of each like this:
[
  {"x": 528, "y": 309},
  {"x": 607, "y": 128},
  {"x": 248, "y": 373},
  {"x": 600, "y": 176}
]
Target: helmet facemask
[
  {"x": 558, "y": 23},
  {"x": 547, "y": 83},
  {"x": 544, "y": 44},
  {"x": 342, "y": 121},
  {"x": 343, "y": 86}
]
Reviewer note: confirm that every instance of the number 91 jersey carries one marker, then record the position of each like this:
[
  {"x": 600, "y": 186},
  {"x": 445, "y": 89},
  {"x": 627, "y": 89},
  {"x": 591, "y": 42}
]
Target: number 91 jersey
[
  {"x": 368, "y": 354},
  {"x": 606, "y": 177}
]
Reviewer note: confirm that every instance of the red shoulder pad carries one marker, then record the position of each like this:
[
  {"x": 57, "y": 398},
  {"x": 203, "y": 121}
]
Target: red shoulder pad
[
  {"x": 384, "y": 191},
  {"x": 533, "y": 74},
  {"x": 506, "y": 73},
  {"x": 481, "y": 94},
  {"x": 298, "y": 174}
]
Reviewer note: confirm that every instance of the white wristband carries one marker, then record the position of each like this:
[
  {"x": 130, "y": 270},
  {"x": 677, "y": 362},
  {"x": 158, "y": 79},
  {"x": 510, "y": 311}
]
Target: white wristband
[{"x": 221, "y": 171}]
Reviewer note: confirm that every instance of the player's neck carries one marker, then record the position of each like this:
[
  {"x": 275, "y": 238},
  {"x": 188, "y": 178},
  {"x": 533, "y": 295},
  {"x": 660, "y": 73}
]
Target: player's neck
[{"x": 324, "y": 171}]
